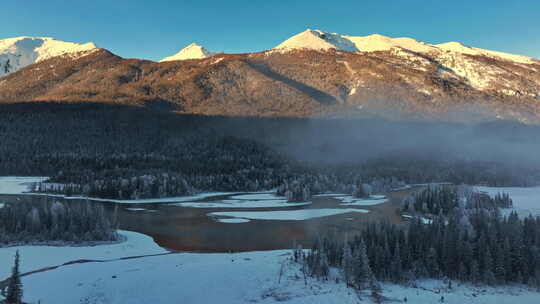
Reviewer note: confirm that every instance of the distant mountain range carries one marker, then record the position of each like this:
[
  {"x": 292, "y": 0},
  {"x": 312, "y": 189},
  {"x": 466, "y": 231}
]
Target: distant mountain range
[{"x": 312, "y": 74}]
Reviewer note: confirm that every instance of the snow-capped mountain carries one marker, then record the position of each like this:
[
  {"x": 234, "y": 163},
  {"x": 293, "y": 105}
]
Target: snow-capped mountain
[
  {"x": 314, "y": 73},
  {"x": 192, "y": 51},
  {"x": 318, "y": 40},
  {"x": 17, "y": 53},
  {"x": 455, "y": 59},
  {"x": 321, "y": 40}
]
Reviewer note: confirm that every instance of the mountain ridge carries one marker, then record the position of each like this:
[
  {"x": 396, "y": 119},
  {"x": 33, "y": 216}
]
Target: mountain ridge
[
  {"x": 394, "y": 82},
  {"x": 321, "y": 40}
]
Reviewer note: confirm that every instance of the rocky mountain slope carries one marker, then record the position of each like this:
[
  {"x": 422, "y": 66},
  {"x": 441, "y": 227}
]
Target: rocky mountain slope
[{"x": 311, "y": 74}]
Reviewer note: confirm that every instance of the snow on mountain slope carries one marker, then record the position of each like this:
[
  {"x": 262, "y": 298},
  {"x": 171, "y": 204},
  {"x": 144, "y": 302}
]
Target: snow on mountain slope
[
  {"x": 454, "y": 59},
  {"x": 192, "y": 51},
  {"x": 318, "y": 40},
  {"x": 460, "y": 48},
  {"x": 378, "y": 42},
  {"x": 17, "y": 53},
  {"x": 321, "y": 40}
]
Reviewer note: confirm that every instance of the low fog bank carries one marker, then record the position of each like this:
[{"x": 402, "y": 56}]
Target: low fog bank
[{"x": 352, "y": 141}]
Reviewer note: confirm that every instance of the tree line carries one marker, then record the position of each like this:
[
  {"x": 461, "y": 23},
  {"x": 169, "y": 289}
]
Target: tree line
[{"x": 27, "y": 221}]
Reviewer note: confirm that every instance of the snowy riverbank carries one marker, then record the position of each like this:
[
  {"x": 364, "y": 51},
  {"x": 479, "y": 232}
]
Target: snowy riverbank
[
  {"x": 124, "y": 273},
  {"x": 526, "y": 200}
]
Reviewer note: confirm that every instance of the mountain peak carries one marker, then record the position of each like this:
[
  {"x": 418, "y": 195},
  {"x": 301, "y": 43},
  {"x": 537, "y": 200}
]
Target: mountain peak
[
  {"x": 317, "y": 40},
  {"x": 19, "y": 52},
  {"x": 192, "y": 51},
  {"x": 323, "y": 41}
]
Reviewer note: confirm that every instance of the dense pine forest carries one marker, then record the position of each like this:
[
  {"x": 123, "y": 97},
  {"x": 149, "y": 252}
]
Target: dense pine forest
[
  {"x": 123, "y": 152},
  {"x": 28, "y": 221},
  {"x": 469, "y": 241},
  {"x": 442, "y": 200}
]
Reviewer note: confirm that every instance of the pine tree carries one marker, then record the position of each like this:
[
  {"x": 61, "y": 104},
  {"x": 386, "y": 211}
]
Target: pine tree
[
  {"x": 396, "y": 267},
  {"x": 14, "y": 290},
  {"x": 488, "y": 275},
  {"x": 347, "y": 265},
  {"x": 500, "y": 272},
  {"x": 474, "y": 275},
  {"x": 364, "y": 276},
  {"x": 432, "y": 263}
]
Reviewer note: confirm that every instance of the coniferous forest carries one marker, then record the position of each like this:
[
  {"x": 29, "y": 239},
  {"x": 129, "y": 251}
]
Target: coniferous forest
[
  {"x": 122, "y": 152},
  {"x": 47, "y": 221},
  {"x": 469, "y": 242}
]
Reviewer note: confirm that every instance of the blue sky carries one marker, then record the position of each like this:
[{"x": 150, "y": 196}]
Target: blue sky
[{"x": 154, "y": 29}]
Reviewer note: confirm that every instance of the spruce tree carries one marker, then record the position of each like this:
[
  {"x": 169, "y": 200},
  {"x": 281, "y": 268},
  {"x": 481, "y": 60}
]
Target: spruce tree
[
  {"x": 347, "y": 265},
  {"x": 488, "y": 275},
  {"x": 396, "y": 265},
  {"x": 474, "y": 275},
  {"x": 432, "y": 263},
  {"x": 364, "y": 276},
  {"x": 14, "y": 289}
]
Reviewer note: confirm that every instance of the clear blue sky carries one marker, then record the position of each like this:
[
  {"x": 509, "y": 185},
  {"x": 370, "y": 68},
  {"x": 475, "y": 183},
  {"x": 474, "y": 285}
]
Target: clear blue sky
[{"x": 154, "y": 29}]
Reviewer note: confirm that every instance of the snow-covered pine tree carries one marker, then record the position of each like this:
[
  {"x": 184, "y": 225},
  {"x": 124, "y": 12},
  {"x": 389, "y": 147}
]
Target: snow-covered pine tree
[
  {"x": 14, "y": 289},
  {"x": 488, "y": 275},
  {"x": 364, "y": 276},
  {"x": 347, "y": 265}
]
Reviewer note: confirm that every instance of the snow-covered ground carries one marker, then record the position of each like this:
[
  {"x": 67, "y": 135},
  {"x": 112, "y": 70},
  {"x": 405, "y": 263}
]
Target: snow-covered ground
[
  {"x": 36, "y": 257},
  {"x": 258, "y": 196},
  {"x": 330, "y": 195},
  {"x": 251, "y": 277},
  {"x": 288, "y": 215},
  {"x": 232, "y": 220},
  {"x": 21, "y": 185},
  {"x": 276, "y": 203},
  {"x": 138, "y": 209},
  {"x": 18, "y": 184},
  {"x": 178, "y": 199},
  {"x": 423, "y": 219},
  {"x": 353, "y": 201},
  {"x": 526, "y": 200}
]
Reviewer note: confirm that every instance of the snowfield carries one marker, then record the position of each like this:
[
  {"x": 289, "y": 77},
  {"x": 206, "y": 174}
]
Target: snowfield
[
  {"x": 18, "y": 184},
  {"x": 330, "y": 195},
  {"x": 232, "y": 220},
  {"x": 243, "y": 204},
  {"x": 36, "y": 257},
  {"x": 526, "y": 200},
  {"x": 251, "y": 277},
  {"x": 289, "y": 215},
  {"x": 352, "y": 201},
  {"x": 178, "y": 199},
  {"x": 258, "y": 196}
]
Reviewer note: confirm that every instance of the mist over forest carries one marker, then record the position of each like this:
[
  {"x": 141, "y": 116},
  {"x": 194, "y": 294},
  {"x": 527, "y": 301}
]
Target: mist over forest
[{"x": 96, "y": 148}]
